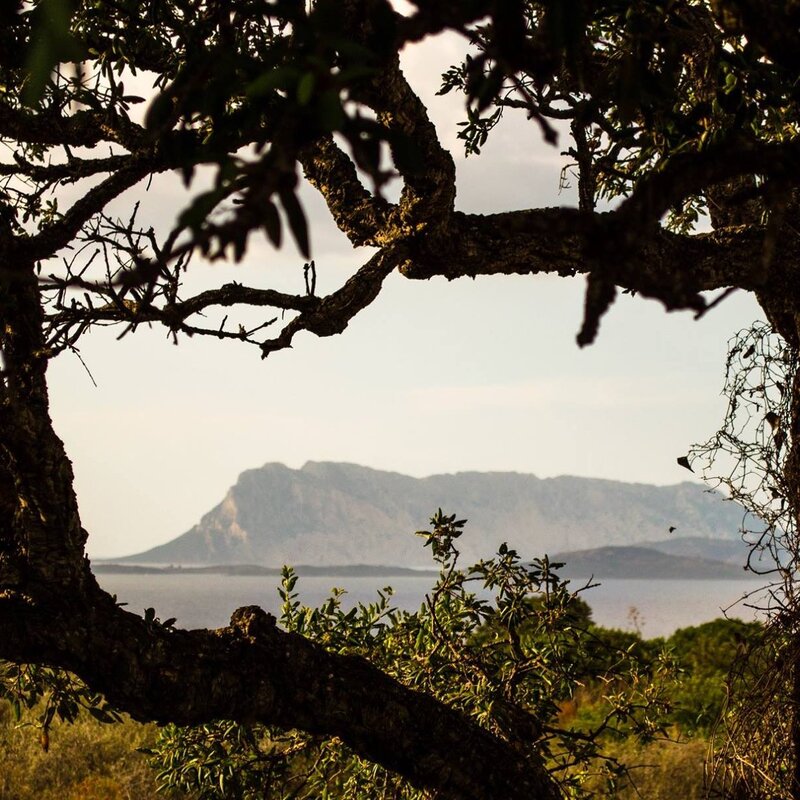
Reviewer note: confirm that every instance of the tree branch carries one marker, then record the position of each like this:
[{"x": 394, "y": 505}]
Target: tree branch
[
  {"x": 359, "y": 214},
  {"x": 53, "y": 238},
  {"x": 334, "y": 312},
  {"x": 427, "y": 169},
  {"x": 81, "y": 129},
  {"x": 69, "y": 322},
  {"x": 556, "y": 241},
  {"x": 72, "y": 170}
]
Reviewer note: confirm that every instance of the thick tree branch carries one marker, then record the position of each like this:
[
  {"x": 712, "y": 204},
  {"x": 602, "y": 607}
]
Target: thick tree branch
[
  {"x": 72, "y": 170},
  {"x": 359, "y": 214},
  {"x": 426, "y": 167},
  {"x": 39, "y": 522},
  {"x": 557, "y": 240},
  {"x": 81, "y": 129}
]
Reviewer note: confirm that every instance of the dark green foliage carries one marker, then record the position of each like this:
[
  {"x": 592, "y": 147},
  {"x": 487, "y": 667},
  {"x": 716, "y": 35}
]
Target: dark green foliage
[
  {"x": 507, "y": 643},
  {"x": 53, "y": 693},
  {"x": 702, "y": 656},
  {"x": 52, "y": 42},
  {"x": 705, "y": 654}
]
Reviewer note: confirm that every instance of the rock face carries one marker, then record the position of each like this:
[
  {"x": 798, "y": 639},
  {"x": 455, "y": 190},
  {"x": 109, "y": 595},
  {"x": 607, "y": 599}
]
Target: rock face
[{"x": 330, "y": 513}]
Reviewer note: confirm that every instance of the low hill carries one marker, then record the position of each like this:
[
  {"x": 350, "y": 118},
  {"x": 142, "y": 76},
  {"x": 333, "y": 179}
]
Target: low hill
[
  {"x": 732, "y": 551},
  {"x": 330, "y": 513},
  {"x": 642, "y": 562}
]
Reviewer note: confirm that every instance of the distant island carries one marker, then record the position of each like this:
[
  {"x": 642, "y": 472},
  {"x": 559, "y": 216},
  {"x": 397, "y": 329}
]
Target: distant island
[
  {"x": 642, "y": 562},
  {"x": 331, "y": 516},
  {"x": 599, "y": 563},
  {"x": 342, "y": 570}
]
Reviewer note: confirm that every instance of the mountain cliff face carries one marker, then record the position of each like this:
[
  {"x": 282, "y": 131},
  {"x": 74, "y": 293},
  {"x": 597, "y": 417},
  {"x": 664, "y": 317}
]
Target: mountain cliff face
[{"x": 330, "y": 513}]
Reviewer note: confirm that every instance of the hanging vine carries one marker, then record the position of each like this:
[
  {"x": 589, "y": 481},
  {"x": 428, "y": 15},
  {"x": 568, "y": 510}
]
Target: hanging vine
[{"x": 747, "y": 459}]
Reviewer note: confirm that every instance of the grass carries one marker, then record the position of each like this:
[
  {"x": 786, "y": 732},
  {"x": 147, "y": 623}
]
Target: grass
[
  {"x": 665, "y": 770},
  {"x": 86, "y": 760}
]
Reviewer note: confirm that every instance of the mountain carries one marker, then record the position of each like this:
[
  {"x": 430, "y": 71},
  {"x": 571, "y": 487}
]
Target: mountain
[{"x": 330, "y": 513}]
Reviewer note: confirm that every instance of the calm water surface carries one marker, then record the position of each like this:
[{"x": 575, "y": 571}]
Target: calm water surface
[{"x": 201, "y": 601}]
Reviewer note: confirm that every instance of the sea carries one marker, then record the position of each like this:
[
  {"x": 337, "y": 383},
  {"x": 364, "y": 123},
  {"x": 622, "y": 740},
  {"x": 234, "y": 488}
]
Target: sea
[{"x": 651, "y": 607}]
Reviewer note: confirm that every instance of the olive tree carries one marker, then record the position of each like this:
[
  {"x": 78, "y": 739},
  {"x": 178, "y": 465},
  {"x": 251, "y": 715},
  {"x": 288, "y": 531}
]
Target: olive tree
[{"x": 676, "y": 110}]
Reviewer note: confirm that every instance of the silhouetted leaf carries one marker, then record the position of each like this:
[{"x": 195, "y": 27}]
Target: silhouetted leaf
[
  {"x": 160, "y": 111},
  {"x": 272, "y": 223},
  {"x": 773, "y": 419},
  {"x": 52, "y": 43},
  {"x": 297, "y": 221}
]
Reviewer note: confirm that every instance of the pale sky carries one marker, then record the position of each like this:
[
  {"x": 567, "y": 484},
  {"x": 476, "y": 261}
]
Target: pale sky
[{"x": 433, "y": 377}]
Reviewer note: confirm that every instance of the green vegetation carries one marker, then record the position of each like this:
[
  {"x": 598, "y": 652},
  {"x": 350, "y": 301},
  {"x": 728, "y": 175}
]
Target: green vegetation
[{"x": 505, "y": 642}]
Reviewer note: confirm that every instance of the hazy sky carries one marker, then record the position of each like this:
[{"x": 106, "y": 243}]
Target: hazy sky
[{"x": 433, "y": 377}]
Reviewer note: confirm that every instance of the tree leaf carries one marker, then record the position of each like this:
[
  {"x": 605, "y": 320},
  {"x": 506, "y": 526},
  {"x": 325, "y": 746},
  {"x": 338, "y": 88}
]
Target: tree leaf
[{"x": 297, "y": 220}]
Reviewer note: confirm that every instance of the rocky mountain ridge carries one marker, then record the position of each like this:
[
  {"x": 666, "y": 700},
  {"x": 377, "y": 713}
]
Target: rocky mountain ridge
[{"x": 331, "y": 513}]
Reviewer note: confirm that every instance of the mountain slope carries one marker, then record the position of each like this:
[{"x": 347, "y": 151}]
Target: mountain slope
[{"x": 331, "y": 513}]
